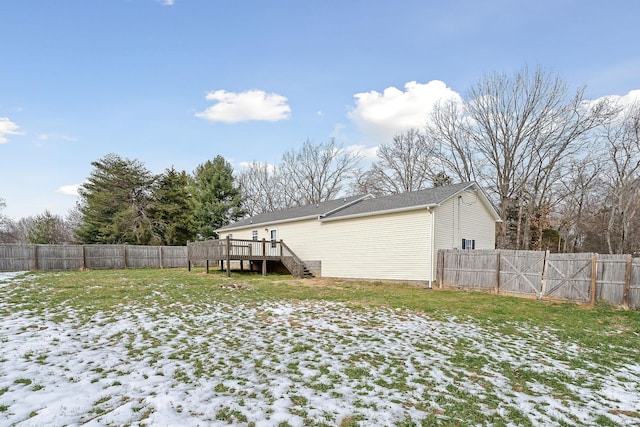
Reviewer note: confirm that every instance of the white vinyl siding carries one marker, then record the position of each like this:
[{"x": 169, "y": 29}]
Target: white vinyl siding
[
  {"x": 390, "y": 246},
  {"x": 464, "y": 218}
]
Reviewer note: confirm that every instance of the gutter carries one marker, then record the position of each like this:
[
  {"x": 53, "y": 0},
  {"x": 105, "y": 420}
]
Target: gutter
[
  {"x": 261, "y": 224},
  {"x": 300, "y": 218},
  {"x": 360, "y": 215},
  {"x": 346, "y": 205}
]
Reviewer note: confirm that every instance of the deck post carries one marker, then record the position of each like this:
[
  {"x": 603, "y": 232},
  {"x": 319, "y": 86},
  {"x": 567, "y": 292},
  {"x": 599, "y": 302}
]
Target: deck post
[
  {"x": 264, "y": 257},
  {"x": 241, "y": 266},
  {"x": 228, "y": 256},
  {"x": 207, "y": 266}
]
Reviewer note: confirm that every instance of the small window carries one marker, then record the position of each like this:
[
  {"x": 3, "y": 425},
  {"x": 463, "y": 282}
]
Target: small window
[
  {"x": 230, "y": 236},
  {"x": 274, "y": 237},
  {"x": 468, "y": 244},
  {"x": 254, "y": 235}
]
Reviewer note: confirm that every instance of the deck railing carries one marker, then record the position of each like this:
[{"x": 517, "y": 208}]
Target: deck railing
[{"x": 230, "y": 249}]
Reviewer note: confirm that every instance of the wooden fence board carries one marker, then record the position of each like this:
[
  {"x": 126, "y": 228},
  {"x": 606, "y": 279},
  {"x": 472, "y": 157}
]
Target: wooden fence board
[
  {"x": 75, "y": 257},
  {"x": 573, "y": 277},
  {"x": 612, "y": 270},
  {"x": 17, "y": 257},
  {"x": 634, "y": 292},
  {"x": 470, "y": 269},
  {"x": 521, "y": 271},
  {"x": 59, "y": 257},
  {"x": 568, "y": 277}
]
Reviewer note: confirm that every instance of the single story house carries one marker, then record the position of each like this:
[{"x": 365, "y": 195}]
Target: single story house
[{"x": 392, "y": 237}]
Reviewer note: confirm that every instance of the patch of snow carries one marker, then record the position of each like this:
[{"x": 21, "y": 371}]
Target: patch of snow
[{"x": 284, "y": 362}]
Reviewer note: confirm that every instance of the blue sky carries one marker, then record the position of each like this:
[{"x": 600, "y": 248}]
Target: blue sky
[{"x": 177, "y": 82}]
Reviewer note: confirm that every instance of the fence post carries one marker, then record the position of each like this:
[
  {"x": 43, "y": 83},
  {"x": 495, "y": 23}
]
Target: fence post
[
  {"x": 498, "y": 272},
  {"x": 35, "y": 257},
  {"x": 124, "y": 255},
  {"x": 594, "y": 276},
  {"x": 627, "y": 282},
  {"x": 228, "y": 256},
  {"x": 545, "y": 266},
  {"x": 264, "y": 257},
  {"x": 84, "y": 257},
  {"x": 160, "y": 253},
  {"x": 441, "y": 259}
]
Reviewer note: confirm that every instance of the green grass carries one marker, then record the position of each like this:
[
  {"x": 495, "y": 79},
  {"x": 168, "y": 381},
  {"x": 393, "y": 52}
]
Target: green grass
[
  {"x": 108, "y": 290},
  {"x": 101, "y": 297}
]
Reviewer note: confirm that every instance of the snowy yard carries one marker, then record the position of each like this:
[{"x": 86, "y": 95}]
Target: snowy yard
[{"x": 294, "y": 363}]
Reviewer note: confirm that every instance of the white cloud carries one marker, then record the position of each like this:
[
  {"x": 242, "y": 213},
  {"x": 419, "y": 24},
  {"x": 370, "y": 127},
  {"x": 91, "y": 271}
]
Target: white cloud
[
  {"x": 55, "y": 136},
  {"x": 368, "y": 154},
  {"x": 338, "y": 132},
  {"x": 382, "y": 115},
  {"x": 167, "y": 2},
  {"x": 624, "y": 102},
  {"x": 69, "y": 190},
  {"x": 251, "y": 105},
  {"x": 7, "y": 127}
]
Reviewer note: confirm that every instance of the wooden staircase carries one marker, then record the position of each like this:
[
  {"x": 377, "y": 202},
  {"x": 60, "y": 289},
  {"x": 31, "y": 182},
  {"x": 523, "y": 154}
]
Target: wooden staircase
[{"x": 294, "y": 264}]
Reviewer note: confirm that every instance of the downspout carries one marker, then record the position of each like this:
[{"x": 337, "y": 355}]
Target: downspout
[
  {"x": 433, "y": 246},
  {"x": 459, "y": 239}
]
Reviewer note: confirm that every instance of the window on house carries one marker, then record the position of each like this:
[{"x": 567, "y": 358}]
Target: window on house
[
  {"x": 254, "y": 235},
  {"x": 468, "y": 244},
  {"x": 274, "y": 237},
  {"x": 230, "y": 236}
]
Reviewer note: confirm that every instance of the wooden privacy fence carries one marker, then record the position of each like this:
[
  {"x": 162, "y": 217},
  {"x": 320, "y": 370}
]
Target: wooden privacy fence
[
  {"x": 581, "y": 277},
  {"x": 77, "y": 257}
]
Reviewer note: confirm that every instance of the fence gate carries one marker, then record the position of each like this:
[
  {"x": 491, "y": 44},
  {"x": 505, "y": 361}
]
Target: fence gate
[
  {"x": 569, "y": 276},
  {"x": 521, "y": 272}
]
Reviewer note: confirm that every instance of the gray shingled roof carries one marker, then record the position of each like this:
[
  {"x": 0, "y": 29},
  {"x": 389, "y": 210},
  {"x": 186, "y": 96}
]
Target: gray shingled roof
[
  {"x": 428, "y": 197},
  {"x": 308, "y": 211},
  {"x": 357, "y": 206}
]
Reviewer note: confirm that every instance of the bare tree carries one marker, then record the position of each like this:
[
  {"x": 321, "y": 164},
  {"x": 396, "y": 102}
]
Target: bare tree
[
  {"x": 316, "y": 173},
  {"x": 261, "y": 189},
  {"x": 404, "y": 165},
  {"x": 515, "y": 132},
  {"x": 623, "y": 179},
  {"x": 579, "y": 201},
  {"x": 447, "y": 131},
  {"x": 6, "y": 225}
]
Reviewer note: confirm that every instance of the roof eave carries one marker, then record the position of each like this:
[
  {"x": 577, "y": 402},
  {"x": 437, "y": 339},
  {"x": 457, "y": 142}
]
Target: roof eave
[
  {"x": 262, "y": 224},
  {"x": 381, "y": 212},
  {"x": 346, "y": 205},
  {"x": 484, "y": 197}
]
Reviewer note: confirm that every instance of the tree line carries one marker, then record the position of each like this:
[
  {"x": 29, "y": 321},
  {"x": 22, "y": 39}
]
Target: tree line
[{"x": 562, "y": 171}]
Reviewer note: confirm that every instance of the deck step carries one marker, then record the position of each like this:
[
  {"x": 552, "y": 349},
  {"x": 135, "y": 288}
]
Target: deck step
[{"x": 306, "y": 273}]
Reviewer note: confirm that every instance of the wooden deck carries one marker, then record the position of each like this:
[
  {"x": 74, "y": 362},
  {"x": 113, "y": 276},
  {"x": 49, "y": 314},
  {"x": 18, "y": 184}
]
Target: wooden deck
[{"x": 261, "y": 251}]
